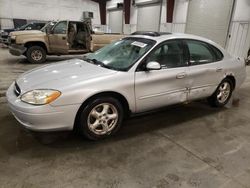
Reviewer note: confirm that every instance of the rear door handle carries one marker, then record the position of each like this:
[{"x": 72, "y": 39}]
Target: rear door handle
[
  {"x": 219, "y": 69},
  {"x": 181, "y": 75},
  {"x": 64, "y": 38}
]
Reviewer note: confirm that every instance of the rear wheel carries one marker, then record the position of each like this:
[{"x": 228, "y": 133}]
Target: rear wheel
[
  {"x": 36, "y": 54},
  {"x": 101, "y": 118},
  {"x": 222, "y": 94}
]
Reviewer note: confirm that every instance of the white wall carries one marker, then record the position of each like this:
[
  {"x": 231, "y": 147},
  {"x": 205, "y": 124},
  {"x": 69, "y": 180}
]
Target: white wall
[
  {"x": 209, "y": 19},
  {"x": 111, "y": 5},
  {"x": 179, "y": 17},
  {"x": 239, "y": 41},
  {"x": 242, "y": 10},
  {"x": 180, "y": 11},
  {"x": 48, "y": 9}
]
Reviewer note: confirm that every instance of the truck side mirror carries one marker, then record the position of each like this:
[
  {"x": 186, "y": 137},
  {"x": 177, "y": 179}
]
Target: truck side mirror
[
  {"x": 28, "y": 28},
  {"x": 49, "y": 30}
]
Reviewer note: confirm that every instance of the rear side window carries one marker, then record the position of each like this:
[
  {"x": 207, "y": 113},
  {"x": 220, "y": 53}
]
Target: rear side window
[
  {"x": 217, "y": 53},
  {"x": 199, "y": 52}
]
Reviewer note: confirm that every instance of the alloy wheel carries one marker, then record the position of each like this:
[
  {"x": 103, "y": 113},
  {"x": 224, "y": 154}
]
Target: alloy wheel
[
  {"x": 103, "y": 118},
  {"x": 223, "y": 92}
]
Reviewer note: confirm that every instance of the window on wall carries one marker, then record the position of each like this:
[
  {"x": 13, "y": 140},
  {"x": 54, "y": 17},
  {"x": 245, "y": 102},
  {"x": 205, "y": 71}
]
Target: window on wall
[
  {"x": 169, "y": 54},
  {"x": 199, "y": 52}
]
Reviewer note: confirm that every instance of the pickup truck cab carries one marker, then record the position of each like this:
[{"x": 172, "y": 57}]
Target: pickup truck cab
[
  {"x": 58, "y": 38},
  {"x": 30, "y": 26}
]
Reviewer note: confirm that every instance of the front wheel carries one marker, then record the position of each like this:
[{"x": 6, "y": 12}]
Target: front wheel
[
  {"x": 101, "y": 118},
  {"x": 36, "y": 54},
  {"x": 222, "y": 94},
  {"x": 248, "y": 57}
]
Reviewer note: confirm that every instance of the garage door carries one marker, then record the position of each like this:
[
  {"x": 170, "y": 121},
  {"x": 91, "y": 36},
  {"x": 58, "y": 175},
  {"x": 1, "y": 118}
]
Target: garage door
[
  {"x": 209, "y": 19},
  {"x": 148, "y": 17},
  {"x": 115, "y": 21}
]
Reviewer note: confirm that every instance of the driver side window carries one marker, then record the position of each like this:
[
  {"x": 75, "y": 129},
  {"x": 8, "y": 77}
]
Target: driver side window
[
  {"x": 60, "y": 28},
  {"x": 169, "y": 54}
]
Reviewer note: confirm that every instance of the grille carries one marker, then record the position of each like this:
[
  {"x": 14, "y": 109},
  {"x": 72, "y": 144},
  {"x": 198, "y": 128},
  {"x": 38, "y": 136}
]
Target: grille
[
  {"x": 17, "y": 90},
  {"x": 11, "y": 41}
]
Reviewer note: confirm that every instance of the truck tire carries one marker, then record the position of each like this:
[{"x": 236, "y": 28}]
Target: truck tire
[
  {"x": 36, "y": 54},
  {"x": 248, "y": 57}
]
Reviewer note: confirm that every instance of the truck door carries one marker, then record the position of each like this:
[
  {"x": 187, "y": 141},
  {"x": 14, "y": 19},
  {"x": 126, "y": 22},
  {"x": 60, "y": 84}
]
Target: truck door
[{"x": 58, "y": 41}]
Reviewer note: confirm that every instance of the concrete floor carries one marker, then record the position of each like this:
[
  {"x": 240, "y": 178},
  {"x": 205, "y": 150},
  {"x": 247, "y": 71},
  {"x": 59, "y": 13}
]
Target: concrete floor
[{"x": 190, "y": 145}]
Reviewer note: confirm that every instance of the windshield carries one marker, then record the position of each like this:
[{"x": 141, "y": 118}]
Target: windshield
[
  {"x": 122, "y": 54},
  {"x": 48, "y": 25},
  {"x": 24, "y": 26}
]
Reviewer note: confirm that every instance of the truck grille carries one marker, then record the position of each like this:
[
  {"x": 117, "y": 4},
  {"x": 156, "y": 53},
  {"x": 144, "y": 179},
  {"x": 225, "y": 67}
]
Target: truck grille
[
  {"x": 17, "y": 89},
  {"x": 11, "y": 41}
]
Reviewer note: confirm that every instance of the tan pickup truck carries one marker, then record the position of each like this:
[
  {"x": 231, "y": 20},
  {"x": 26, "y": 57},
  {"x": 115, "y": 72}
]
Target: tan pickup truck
[{"x": 58, "y": 38}]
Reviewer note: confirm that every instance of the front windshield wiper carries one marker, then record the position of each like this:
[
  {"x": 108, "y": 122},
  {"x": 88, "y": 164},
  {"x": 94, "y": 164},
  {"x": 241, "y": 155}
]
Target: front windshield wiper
[{"x": 96, "y": 62}]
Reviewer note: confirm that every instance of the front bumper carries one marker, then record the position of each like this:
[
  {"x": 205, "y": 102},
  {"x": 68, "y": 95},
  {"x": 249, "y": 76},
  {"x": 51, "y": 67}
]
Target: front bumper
[
  {"x": 4, "y": 40},
  {"x": 17, "y": 49},
  {"x": 41, "y": 117}
]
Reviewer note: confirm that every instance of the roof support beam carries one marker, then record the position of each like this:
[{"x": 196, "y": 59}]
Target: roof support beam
[
  {"x": 127, "y": 4},
  {"x": 102, "y": 8},
  {"x": 170, "y": 10}
]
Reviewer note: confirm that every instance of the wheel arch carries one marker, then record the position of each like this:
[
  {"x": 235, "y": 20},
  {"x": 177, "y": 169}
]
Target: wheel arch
[
  {"x": 36, "y": 43},
  {"x": 232, "y": 78},
  {"x": 113, "y": 94}
]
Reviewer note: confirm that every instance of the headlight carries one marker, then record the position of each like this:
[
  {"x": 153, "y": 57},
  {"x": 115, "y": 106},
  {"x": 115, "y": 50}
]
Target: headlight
[
  {"x": 13, "y": 37},
  {"x": 40, "y": 96}
]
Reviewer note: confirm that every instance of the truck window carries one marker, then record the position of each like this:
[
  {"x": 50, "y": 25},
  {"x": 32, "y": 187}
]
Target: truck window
[{"x": 60, "y": 28}]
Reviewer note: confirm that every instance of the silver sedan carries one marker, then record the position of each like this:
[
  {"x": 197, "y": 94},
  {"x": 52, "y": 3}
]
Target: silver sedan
[{"x": 136, "y": 74}]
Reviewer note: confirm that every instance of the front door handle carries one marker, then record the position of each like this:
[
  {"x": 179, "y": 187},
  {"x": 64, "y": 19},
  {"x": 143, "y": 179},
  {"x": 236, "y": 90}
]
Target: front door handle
[
  {"x": 64, "y": 38},
  {"x": 181, "y": 75},
  {"x": 219, "y": 69}
]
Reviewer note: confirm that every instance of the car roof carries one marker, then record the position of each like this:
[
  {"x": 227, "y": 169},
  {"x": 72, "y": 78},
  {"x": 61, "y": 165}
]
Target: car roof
[{"x": 161, "y": 37}]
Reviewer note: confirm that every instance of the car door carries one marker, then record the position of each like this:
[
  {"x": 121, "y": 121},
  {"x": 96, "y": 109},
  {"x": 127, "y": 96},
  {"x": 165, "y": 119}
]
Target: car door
[
  {"x": 58, "y": 38},
  {"x": 205, "y": 69},
  {"x": 158, "y": 88}
]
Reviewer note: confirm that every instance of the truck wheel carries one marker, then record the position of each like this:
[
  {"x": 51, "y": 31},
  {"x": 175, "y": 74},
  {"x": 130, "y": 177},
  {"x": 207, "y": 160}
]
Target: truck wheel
[
  {"x": 36, "y": 54},
  {"x": 248, "y": 57}
]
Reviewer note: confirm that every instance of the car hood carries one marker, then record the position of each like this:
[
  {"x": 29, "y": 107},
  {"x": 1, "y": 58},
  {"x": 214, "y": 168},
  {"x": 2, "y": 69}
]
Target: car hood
[
  {"x": 26, "y": 32},
  {"x": 8, "y": 30},
  {"x": 61, "y": 75}
]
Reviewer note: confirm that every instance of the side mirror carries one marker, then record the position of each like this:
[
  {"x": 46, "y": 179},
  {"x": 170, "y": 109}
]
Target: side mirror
[
  {"x": 48, "y": 30},
  {"x": 153, "y": 65},
  {"x": 28, "y": 28}
]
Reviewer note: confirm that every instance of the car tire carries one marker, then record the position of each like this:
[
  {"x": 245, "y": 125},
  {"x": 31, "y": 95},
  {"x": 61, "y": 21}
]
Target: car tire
[
  {"x": 222, "y": 94},
  {"x": 36, "y": 54},
  {"x": 101, "y": 118}
]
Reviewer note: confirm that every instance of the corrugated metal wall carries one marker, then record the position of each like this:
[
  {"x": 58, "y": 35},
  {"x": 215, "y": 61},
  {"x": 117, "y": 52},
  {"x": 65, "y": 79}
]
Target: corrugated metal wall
[
  {"x": 239, "y": 41},
  {"x": 178, "y": 27},
  {"x": 173, "y": 27},
  {"x": 6, "y": 23}
]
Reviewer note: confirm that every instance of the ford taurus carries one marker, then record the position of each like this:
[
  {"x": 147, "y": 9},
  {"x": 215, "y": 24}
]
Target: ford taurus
[{"x": 136, "y": 74}]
